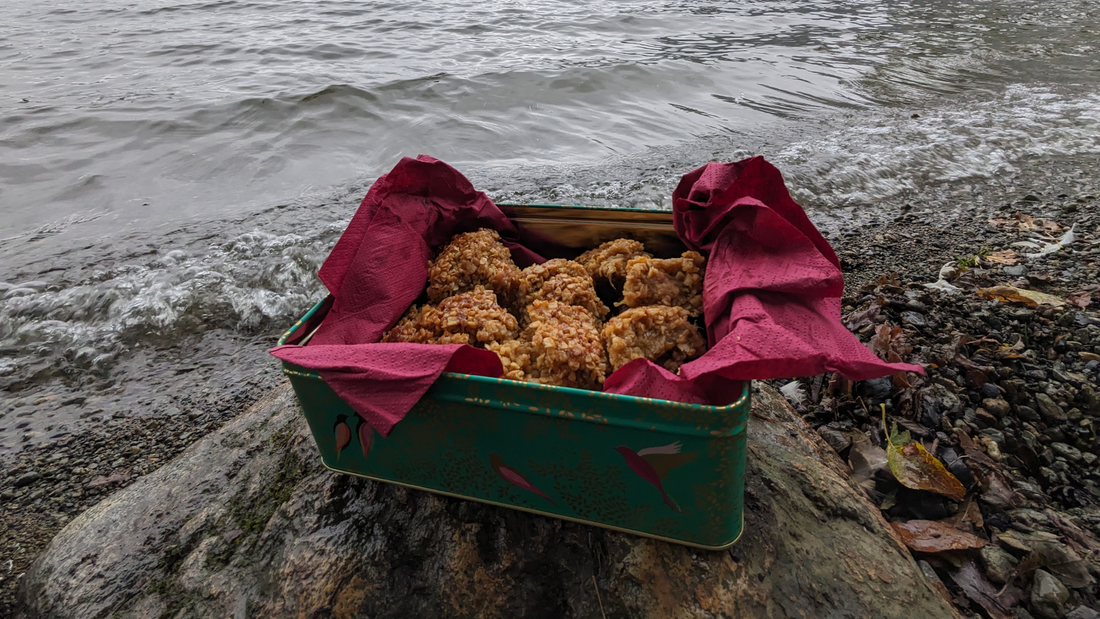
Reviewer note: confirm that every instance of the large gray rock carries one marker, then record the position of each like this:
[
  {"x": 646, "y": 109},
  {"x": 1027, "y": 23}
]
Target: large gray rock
[{"x": 247, "y": 523}]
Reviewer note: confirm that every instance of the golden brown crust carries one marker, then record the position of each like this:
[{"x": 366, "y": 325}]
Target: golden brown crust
[
  {"x": 473, "y": 259},
  {"x": 472, "y": 318},
  {"x": 559, "y": 280},
  {"x": 671, "y": 281},
  {"x": 608, "y": 261},
  {"x": 564, "y": 346},
  {"x": 515, "y": 356},
  {"x": 659, "y": 333}
]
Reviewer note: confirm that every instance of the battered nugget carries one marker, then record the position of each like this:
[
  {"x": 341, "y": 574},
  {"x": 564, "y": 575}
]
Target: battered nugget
[
  {"x": 472, "y": 318},
  {"x": 608, "y": 261},
  {"x": 565, "y": 346},
  {"x": 515, "y": 356},
  {"x": 414, "y": 327},
  {"x": 559, "y": 280},
  {"x": 659, "y": 333},
  {"x": 673, "y": 281},
  {"x": 473, "y": 259}
]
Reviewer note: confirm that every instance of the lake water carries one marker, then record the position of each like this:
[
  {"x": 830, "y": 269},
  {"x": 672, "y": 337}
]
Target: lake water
[{"x": 173, "y": 173}]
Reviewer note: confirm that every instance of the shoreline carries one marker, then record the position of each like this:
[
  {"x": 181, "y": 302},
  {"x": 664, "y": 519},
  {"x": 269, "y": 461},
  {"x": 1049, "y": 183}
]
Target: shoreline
[{"x": 50, "y": 484}]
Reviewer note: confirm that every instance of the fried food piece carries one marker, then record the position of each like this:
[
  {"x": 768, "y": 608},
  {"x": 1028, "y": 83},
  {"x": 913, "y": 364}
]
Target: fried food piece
[
  {"x": 672, "y": 281},
  {"x": 515, "y": 356},
  {"x": 608, "y": 261},
  {"x": 472, "y": 318},
  {"x": 473, "y": 259},
  {"x": 559, "y": 280},
  {"x": 659, "y": 333},
  {"x": 565, "y": 346},
  {"x": 414, "y": 327}
]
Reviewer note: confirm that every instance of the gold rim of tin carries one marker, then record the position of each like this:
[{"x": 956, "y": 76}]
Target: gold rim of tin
[{"x": 672, "y": 540}]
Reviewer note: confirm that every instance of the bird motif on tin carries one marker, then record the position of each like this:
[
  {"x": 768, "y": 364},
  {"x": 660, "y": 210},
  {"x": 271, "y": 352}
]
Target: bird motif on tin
[
  {"x": 366, "y": 435},
  {"x": 513, "y": 476},
  {"x": 654, "y": 463},
  {"x": 342, "y": 433}
]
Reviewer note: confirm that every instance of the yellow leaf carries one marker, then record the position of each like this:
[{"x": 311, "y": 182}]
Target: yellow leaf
[
  {"x": 915, "y": 468},
  {"x": 1002, "y": 257},
  {"x": 1011, "y": 294}
]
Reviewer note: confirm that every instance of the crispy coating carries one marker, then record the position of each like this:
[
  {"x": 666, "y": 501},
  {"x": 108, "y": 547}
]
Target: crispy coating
[
  {"x": 472, "y": 318},
  {"x": 659, "y": 333},
  {"x": 608, "y": 261},
  {"x": 470, "y": 260},
  {"x": 559, "y": 280},
  {"x": 672, "y": 281},
  {"x": 414, "y": 327},
  {"x": 564, "y": 347},
  {"x": 515, "y": 356}
]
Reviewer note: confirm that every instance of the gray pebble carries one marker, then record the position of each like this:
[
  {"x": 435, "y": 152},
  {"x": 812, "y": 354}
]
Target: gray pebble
[
  {"x": 1049, "y": 409},
  {"x": 1027, "y": 413},
  {"x": 1082, "y": 612},
  {"x": 1048, "y": 595}
]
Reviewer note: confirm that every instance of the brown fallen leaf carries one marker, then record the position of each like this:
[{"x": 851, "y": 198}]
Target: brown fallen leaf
[
  {"x": 915, "y": 468},
  {"x": 857, "y": 320},
  {"x": 1012, "y": 294},
  {"x": 1027, "y": 223},
  {"x": 998, "y": 604},
  {"x": 1006, "y": 257},
  {"x": 1080, "y": 299},
  {"x": 1058, "y": 559},
  {"x": 932, "y": 536}
]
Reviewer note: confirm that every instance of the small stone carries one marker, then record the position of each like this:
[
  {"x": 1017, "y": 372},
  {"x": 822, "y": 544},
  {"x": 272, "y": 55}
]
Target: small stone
[
  {"x": 1027, "y": 413},
  {"x": 991, "y": 447},
  {"x": 1082, "y": 612},
  {"x": 914, "y": 319},
  {"x": 1066, "y": 451},
  {"x": 26, "y": 479},
  {"x": 835, "y": 439},
  {"x": 999, "y": 565},
  {"x": 1015, "y": 270},
  {"x": 1089, "y": 356},
  {"x": 997, "y": 436},
  {"x": 997, "y": 406},
  {"x": 1089, "y": 458},
  {"x": 990, "y": 390},
  {"x": 1049, "y": 409},
  {"x": 1048, "y": 595}
]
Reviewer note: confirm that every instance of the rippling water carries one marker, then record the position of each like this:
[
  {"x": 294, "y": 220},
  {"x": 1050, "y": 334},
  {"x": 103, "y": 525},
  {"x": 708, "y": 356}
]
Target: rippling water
[{"x": 169, "y": 169}]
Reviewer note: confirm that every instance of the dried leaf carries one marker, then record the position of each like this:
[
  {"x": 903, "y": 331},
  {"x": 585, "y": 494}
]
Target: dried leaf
[
  {"x": 1011, "y": 294},
  {"x": 915, "y": 468},
  {"x": 1024, "y": 541},
  {"x": 1080, "y": 299},
  {"x": 1058, "y": 559},
  {"x": 997, "y": 492},
  {"x": 1006, "y": 257},
  {"x": 931, "y": 536},
  {"x": 858, "y": 320},
  {"x": 998, "y": 604}
]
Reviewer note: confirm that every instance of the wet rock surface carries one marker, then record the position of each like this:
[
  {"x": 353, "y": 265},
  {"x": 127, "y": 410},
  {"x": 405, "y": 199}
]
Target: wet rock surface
[{"x": 248, "y": 523}]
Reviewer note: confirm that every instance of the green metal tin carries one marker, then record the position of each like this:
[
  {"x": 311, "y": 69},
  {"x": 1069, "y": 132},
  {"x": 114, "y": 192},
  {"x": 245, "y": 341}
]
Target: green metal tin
[{"x": 657, "y": 468}]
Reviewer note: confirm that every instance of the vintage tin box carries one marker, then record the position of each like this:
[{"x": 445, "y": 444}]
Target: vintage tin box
[{"x": 657, "y": 468}]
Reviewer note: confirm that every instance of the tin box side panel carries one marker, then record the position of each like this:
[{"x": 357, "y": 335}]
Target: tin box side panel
[{"x": 684, "y": 488}]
